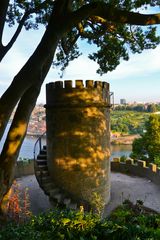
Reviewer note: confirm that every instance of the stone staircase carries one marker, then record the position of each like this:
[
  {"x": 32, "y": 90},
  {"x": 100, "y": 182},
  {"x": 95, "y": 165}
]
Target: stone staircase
[{"x": 56, "y": 195}]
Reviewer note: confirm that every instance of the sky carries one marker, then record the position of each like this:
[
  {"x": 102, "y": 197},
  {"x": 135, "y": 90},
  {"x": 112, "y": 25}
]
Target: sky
[{"x": 137, "y": 80}]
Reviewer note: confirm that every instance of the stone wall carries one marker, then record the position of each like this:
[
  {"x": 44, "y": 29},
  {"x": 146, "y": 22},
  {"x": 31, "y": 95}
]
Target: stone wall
[
  {"x": 138, "y": 168},
  {"x": 78, "y": 137},
  {"x": 24, "y": 168}
]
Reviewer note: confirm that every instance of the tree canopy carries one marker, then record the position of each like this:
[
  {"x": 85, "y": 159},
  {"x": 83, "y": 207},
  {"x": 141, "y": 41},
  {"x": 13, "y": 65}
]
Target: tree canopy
[
  {"x": 109, "y": 25},
  {"x": 148, "y": 146},
  {"x": 115, "y": 27}
]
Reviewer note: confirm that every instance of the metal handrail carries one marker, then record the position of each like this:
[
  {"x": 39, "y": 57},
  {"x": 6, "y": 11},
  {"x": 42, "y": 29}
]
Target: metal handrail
[
  {"x": 38, "y": 141},
  {"x": 111, "y": 98}
]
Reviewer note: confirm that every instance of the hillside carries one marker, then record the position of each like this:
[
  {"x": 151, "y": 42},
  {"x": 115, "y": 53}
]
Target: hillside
[{"x": 127, "y": 122}]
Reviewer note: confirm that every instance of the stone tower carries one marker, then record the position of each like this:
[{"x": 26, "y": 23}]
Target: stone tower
[{"x": 78, "y": 138}]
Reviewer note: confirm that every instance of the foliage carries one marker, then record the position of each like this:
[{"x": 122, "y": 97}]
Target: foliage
[
  {"x": 123, "y": 158},
  {"x": 125, "y": 222},
  {"x": 139, "y": 150},
  {"x": 18, "y": 204},
  {"x": 148, "y": 147},
  {"x": 139, "y": 107},
  {"x": 18, "y": 8},
  {"x": 129, "y": 122},
  {"x": 157, "y": 160},
  {"x": 97, "y": 203},
  {"x": 151, "y": 108},
  {"x": 113, "y": 40}
]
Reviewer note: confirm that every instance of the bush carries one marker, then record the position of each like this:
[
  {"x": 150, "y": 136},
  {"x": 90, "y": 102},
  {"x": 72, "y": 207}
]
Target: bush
[
  {"x": 123, "y": 158},
  {"x": 125, "y": 222},
  {"x": 148, "y": 146},
  {"x": 157, "y": 160}
]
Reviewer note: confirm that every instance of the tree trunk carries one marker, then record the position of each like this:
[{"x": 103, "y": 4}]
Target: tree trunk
[
  {"x": 25, "y": 89},
  {"x": 18, "y": 130},
  {"x": 3, "y": 12},
  {"x": 17, "y": 133},
  {"x": 15, "y": 138},
  {"x": 31, "y": 71}
]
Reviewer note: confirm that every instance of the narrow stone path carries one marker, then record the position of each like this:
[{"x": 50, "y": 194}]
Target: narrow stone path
[{"x": 122, "y": 187}]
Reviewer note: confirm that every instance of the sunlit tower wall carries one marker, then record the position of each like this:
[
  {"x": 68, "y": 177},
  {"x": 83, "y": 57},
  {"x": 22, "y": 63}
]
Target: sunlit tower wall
[{"x": 78, "y": 138}]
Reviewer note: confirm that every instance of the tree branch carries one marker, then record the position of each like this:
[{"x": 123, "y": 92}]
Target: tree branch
[
  {"x": 5, "y": 49},
  {"x": 81, "y": 30},
  {"x": 110, "y": 13},
  {"x": 3, "y": 11},
  {"x": 16, "y": 34},
  {"x": 46, "y": 47},
  {"x": 62, "y": 7},
  {"x": 67, "y": 46}
]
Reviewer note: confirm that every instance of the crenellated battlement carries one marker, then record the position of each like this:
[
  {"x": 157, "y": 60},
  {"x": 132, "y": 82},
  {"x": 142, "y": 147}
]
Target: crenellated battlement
[
  {"x": 137, "y": 168},
  {"x": 78, "y": 93},
  {"x": 79, "y": 84}
]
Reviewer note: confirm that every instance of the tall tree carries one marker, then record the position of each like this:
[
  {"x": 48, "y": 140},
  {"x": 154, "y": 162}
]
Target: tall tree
[
  {"x": 110, "y": 25},
  {"x": 152, "y": 137},
  {"x": 151, "y": 108},
  {"x": 148, "y": 146}
]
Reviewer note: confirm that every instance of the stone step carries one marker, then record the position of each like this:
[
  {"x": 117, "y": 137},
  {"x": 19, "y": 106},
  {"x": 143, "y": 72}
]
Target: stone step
[
  {"x": 42, "y": 156},
  {"x": 43, "y": 167},
  {"x": 53, "y": 191},
  {"x": 44, "y": 147},
  {"x": 43, "y": 152},
  {"x": 46, "y": 179},
  {"x": 47, "y": 191},
  {"x": 59, "y": 197},
  {"x": 43, "y": 173},
  {"x": 41, "y": 161},
  {"x": 48, "y": 186},
  {"x": 66, "y": 201}
]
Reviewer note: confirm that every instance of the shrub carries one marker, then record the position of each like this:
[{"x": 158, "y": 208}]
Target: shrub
[
  {"x": 123, "y": 158},
  {"x": 125, "y": 222}
]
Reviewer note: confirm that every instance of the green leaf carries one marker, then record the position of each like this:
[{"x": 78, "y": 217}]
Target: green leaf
[{"x": 65, "y": 221}]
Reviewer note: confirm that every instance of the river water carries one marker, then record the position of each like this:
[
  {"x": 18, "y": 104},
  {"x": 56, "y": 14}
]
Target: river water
[
  {"x": 27, "y": 148},
  {"x": 120, "y": 150},
  {"x": 29, "y": 142}
]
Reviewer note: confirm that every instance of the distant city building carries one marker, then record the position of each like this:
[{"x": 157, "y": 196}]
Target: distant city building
[{"x": 123, "y": 101}]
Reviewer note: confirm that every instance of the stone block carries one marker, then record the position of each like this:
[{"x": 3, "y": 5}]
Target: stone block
[
  {"x": 116, "y": 159},
  {"x": 153, "y": 167},
  {"x": 141, "y": 163},
  {"x": 129, "y": 161}
]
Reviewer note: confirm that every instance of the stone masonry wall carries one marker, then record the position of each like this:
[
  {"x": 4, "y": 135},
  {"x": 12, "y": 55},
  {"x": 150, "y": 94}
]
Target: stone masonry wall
[
  {"x": 138, "y": 168},
  {"x": 78, "y": 138},
  {"x": 24, "y": 168}
]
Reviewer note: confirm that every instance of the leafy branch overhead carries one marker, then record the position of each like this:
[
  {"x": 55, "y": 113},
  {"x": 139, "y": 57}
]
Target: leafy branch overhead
[{"x": 114, "y": 27}]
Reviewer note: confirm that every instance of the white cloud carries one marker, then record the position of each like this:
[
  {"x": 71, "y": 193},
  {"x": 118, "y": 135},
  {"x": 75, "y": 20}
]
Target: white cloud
[
  {"x": 82, "y": 68},
  {"x": 139, "y": 68},
  {"x": 145, "y": 63}
]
